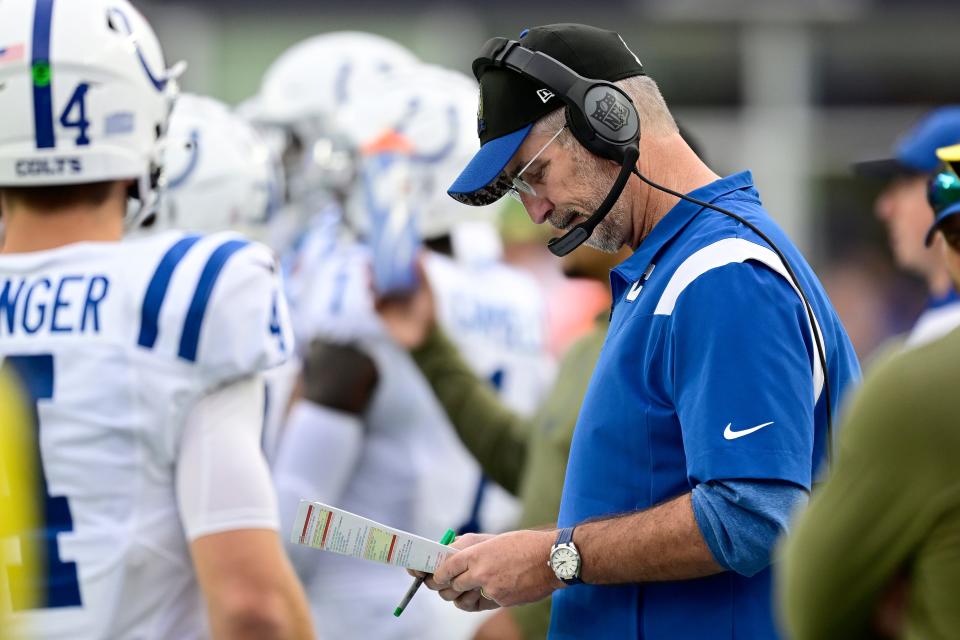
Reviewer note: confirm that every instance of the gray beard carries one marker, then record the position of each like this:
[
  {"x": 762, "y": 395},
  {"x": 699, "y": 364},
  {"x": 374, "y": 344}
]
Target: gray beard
[{"x": 609, "y": 234}]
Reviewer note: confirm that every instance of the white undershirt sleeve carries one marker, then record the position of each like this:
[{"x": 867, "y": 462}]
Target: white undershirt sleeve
[
  {"x": 315, "y": 461},
  {"x": 223, "y": 483}
]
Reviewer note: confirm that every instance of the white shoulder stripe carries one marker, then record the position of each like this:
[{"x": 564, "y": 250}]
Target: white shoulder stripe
[{"x": 719, "y": 254}]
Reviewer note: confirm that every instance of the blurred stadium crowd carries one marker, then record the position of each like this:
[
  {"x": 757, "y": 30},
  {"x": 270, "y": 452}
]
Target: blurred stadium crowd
[{"x": 338, "y": 158}]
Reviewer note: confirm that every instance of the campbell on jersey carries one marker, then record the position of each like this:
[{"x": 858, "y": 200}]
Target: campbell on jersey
[{"x": 116, "y": 342}]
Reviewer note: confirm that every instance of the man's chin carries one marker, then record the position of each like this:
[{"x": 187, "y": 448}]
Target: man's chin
[{"x": 600, "y": 243}]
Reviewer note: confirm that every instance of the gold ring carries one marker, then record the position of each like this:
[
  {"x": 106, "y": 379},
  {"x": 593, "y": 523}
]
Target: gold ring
[{"x": 485, "y": 596}]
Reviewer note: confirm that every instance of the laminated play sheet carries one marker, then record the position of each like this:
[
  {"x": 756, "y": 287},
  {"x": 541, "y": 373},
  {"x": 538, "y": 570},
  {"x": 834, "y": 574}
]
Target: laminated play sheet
[{"x": 330, "y": 529}]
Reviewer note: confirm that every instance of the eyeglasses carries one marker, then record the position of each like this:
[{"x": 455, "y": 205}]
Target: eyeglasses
[
  {"x": 518, "y": 184},
  {"x": 942, "y": 192}
]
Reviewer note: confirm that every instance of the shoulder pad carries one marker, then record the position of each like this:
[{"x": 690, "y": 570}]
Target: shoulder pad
[{"x": 216, "y": 301}]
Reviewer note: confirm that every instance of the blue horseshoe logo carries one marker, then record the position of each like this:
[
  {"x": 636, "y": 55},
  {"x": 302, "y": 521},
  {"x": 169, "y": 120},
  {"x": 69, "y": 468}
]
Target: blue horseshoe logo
[
  {"x": 447, "y": 147},
  {"x": 160, "y": 83},
  {"x": 174, "y": 183}
]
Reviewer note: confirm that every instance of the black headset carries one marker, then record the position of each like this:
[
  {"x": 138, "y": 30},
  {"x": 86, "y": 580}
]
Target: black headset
[{"x": 605, "y": 121}]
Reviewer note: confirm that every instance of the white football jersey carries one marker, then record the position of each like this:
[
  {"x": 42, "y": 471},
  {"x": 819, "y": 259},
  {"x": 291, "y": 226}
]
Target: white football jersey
[
  {"x": 934, "y": 323},
  {"x": 117, "y": 342},
  {"x": 496, "y": 315}
]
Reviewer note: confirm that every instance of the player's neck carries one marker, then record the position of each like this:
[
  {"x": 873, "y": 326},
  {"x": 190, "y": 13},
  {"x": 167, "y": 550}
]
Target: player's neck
[
  {"x": 938, "y": 282},
  {"x": 28, "y": 231}
]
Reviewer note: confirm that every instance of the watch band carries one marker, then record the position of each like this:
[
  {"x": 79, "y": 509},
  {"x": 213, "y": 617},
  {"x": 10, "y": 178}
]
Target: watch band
[{"x": 566, "y": 537}]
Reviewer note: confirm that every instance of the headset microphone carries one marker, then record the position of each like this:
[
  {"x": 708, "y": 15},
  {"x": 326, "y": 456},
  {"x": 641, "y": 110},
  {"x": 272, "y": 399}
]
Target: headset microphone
[{"x": 580, "y": 233}]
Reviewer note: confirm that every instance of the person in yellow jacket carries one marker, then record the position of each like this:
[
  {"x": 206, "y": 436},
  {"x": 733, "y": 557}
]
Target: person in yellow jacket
[{"x": 18, "y": 558}]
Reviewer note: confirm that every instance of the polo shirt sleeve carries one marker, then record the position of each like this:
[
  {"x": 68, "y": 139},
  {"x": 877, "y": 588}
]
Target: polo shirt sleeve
[{"x": 742, "y": 374}]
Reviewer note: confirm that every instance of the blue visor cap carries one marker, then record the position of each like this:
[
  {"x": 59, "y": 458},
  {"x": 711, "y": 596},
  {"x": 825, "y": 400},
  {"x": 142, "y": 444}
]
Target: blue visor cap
[
  {"x": 484, "y": 180},
  {"x": 916, "y": 151}
]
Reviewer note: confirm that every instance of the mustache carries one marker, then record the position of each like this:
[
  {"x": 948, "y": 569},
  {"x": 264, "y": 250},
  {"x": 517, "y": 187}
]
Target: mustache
[{"x": 565, "y": 219}]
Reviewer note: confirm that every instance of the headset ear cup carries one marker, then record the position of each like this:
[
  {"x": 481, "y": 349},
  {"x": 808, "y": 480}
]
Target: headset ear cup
[
  {"x": 611, "y": 114},
  {"x": 588, "y": 138},
  {"x": 605, "y": 121},
  {"x": 580, "y": 129}
]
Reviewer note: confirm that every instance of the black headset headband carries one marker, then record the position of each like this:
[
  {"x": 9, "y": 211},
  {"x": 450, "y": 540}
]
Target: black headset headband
[
  {"x": 503, "y": 52},
  {"x": 607, "y": 130}
]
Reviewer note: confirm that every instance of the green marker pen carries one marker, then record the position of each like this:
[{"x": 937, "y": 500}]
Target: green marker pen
[{"x": 446, "y": 539}]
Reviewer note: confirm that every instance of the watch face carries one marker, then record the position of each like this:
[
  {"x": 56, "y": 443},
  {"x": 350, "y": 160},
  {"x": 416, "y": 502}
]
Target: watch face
[{"x": 565, "y": 562}]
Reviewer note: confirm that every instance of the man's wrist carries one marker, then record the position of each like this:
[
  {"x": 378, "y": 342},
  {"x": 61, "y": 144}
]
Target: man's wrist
[
  {"x": 581, "y": 538},
  {"x": 550, "y": 536},
  {"x": 565, "y": 561}
]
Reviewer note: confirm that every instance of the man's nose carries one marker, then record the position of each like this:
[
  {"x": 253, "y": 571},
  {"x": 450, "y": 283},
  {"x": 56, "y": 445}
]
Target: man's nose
[{"x": 539, "y": 209}]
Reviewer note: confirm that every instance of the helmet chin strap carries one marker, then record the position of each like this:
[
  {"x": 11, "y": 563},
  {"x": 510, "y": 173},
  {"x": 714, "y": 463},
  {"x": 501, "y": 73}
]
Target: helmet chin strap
[{"x": 581, "y": 233}]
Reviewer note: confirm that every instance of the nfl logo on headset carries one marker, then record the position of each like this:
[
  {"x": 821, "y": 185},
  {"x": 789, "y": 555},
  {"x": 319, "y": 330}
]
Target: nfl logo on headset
[{"x": 610, "y": 112}]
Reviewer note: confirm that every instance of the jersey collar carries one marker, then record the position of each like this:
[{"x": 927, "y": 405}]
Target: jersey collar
[
  {"x": 677, "y": 218},
  {"x": 947, "y": 299}
]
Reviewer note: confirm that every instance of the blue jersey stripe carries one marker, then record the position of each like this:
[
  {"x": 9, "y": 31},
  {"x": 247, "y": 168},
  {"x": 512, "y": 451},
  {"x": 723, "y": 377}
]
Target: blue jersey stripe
[
  {"x": 190, "y": 337},
  {"x": 41, "y": 75},
  {"x": 157, "y": 290}
]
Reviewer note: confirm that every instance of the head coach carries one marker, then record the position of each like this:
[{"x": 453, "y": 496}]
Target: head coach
[{"x": 707, "y": 416}]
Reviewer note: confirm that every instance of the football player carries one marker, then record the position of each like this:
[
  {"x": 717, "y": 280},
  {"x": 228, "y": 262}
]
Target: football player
[
  {"x": 143, "y": 358},
  {"x": 299, "y": 96},
  {"x": 220, "y": 173},
  {"x": 368, "y": 431}
]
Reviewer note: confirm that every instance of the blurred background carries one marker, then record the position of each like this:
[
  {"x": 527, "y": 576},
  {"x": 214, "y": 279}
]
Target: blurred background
[{"x": 794, "y": 91}]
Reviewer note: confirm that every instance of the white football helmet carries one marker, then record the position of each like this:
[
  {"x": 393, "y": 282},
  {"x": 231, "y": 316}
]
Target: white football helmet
[
  {"x": 304, "y": 88},
  {"x": 85, "y": 96},
  {"x": 219, "y": 173},
  {"x": 434, "y": 111}
]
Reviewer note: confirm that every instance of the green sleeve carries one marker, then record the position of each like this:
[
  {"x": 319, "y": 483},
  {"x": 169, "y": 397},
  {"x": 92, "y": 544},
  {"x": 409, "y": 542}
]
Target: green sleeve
[
  {"x": 886, "y": 510},
  {"x": 495, "y": 435}
]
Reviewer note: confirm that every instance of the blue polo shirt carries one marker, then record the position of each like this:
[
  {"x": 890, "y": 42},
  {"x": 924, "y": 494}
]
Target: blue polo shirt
[{"x": 709, "y": 372}]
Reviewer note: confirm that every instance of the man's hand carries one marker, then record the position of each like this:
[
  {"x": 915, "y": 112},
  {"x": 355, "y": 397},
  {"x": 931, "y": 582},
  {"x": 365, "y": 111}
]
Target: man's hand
[
  {"x": 409, "y": 318},
  {"x": 510, "y": 568}
]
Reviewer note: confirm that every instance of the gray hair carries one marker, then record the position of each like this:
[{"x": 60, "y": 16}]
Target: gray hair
[{"x": 655, "y": 118}]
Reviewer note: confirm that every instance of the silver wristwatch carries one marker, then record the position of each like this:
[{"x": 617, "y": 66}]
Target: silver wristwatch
[{"x": 565, "y": 558}]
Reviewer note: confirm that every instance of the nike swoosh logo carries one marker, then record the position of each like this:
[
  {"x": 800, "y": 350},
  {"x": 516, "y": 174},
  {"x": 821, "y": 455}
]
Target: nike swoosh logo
[
  {"x": 730, "y": 434},
  {"x": 634, "y": 291}
]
